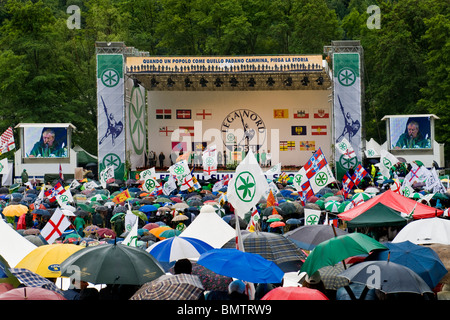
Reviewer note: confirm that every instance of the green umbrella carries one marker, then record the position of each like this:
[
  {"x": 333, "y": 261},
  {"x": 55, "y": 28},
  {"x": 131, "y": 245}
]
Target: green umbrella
[
  {"x": 116, "y": 216},
  {"x": 321, "y": 204},
  {"x": 332, "y": 206},
  {"x": 140, "y": 214},
  {"x": 334, "y": 250},
  {"x": 162, "y": 200},
  {"x": 112, "y": 264}
]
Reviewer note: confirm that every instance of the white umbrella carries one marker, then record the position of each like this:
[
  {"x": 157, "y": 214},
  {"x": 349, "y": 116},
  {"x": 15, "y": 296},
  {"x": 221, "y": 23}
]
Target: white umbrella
[{"x": 425, "y": 231}]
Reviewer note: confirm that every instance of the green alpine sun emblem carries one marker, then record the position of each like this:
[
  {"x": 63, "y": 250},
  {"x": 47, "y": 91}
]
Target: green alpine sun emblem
[
  {"x": 245, "y": 186},
  {"x": 312, "y": 219},
  {"x": 113, "y": 160},
  {"x": 110, "y": 78},
  {"x": 346, "y": 77},
  {"x": 321, "y": 179}
]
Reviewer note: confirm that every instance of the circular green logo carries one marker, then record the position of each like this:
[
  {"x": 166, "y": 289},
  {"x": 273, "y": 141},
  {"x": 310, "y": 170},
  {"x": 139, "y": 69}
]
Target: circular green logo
[
  {"x": 245, "y": 186},
  {"x": 312, "y": 219},
  {"x": 110, "y": 77},
  {"x": 179, "y": 170},
  {"x": 321, "y": 179},
  {"x": 348, "y": 163},
  {"x": 209, "y": 161},
  {"x": 150, "y": 184},
  {"x": 113, "y": 160},
  {"x": 346, "y": 77}
]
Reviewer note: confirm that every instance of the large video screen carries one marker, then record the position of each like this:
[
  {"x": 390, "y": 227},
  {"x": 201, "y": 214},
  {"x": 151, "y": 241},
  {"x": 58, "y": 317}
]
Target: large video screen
[
  {"x": 45, "y": 142},
  {"x": 410, "y": 132}
]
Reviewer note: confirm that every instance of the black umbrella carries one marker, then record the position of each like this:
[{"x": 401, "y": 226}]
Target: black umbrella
[
  {"x": 113, "y": 264},
  {"x": 386, "y": 276},
  {"x": 309, "y": 236}
]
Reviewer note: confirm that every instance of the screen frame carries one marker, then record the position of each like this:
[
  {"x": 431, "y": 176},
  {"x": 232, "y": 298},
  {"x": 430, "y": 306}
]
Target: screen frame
[
  {"x": 67, "y": 127},
  {"x": 392, "y": 121}
]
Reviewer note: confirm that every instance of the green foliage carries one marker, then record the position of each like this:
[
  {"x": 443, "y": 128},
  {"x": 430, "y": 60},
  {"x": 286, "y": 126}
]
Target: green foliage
[{"x": 48, "y": 71}]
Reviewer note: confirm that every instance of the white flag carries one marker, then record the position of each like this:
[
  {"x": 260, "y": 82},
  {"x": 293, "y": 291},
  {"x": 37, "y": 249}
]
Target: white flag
[
  {"x": 247, "y": 186},
  {"x": 169, "y": 186},
  {"x": 299, "y": 179},
  {"x": 64, "y": 198},
  {"x": 149, "y": 173},
  {"x": 345, "y": 148},
  {"x": 275, "y": 169},
  {"x": 132, "y": 237},
  {"x": 387, "y": 160},
  {"x": 406, "y": 189},
  {"x": 209, "y": 157},
  {"x": 180, "y": 170},
  {"x": 150, "y": 184},
  {"x": 311, "y": 216},
  {"x": 4, "y": 166},
  {"x": 322, "y": 178},
  {"x": 106, "y": 176},
  {"x": 54, "y": 228},
  {"x": 416, "y": 174}
]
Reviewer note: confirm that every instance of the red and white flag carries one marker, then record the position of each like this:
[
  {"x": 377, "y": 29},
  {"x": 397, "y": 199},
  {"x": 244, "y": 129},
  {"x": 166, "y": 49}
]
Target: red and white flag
[
  {"x": 53, "y": 192},
  {"x": 54, "y": 228},
  {"x": 7, "y": 141},
  {"x": 61, "y": 175}
]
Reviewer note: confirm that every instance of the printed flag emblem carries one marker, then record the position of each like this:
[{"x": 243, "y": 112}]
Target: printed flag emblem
[
  {"x": 319, "y": 130},
  {"x": 183, "y": 114}
]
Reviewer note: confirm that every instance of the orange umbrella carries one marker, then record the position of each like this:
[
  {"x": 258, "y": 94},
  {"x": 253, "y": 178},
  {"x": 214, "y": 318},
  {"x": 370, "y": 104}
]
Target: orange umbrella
[
  {"x": 157, "y": 231},
  {"x": 15, "y": 210}
]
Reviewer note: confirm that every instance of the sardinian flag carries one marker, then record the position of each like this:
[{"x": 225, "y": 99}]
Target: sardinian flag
[
  {"x": 54, "y": 228},
  {"x": 56, "y": 190},
  {"x": 7, "y": 141}
]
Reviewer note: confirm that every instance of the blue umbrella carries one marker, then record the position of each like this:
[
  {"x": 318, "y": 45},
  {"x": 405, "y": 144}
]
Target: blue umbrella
[
  {"x": 176, "y": 248},
  {"x": 148, "y": 208},
  {"x": 245, "y": 266},
  {"x": 422, "y": 260}
]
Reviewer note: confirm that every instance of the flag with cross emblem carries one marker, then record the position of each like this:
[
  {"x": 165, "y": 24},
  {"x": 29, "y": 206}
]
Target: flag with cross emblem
[{"x": 54, "y": 228}]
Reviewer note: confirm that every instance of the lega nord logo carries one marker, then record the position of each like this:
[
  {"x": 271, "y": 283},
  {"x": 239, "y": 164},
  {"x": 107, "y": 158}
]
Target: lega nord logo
[
  {"x": 346, "y": 77},
  {"x": 245, "y": 186}
]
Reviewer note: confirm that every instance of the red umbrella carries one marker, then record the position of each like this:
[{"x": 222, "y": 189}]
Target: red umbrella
[
  {"x": 31, "y": 293},
  {"x": 106, "y": 233},
  {"x": 277, "y": 224},
  {"x": 151, "y": 225},
  {"x": 294, "y": 293}
]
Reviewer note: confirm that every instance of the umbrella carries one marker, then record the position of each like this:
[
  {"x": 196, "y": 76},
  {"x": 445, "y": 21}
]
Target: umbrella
[
  {"x": 330, "y": 278},
  {"x": 37, "y": 240},
  {"x": 336, "y": 249},
  {"x": 31, "y": 279},
  {"x": 148, "y": 208},
  {"x": 425, "y": 231},
  {"x": 277, "y": 224},
  {"x": 112, "y": 264},
  {"x": 169, "y": 233},
  {"x": 162, "y": 200},
  {"x": 140, "y": 214},
  {"x": 332, "y": 206},
  {"x": 180, "y": 217},
  {"x": 14, "y": 210},
  {"x": 294, "y": 293},
  {"x": 272, "y": 210},
  {"x": 91, "y": 229},
  {"x": 391, "y": 277},
  {"x": 273, "y": 247},
  {"x": 31, "y": 293},
  {"x": 309, "y": 236},
  {"x": 171, "y": 287},
  {"x": 231, "y": 262},
  {"x": 106, "y": 233},
  {"x": 422, "y": 260},
  {"x": 180, "y": 206},
  {"x": 45, "y": 260},
  {"x": 211, "y": 281},
  {"x": 151, "y": 225},
  {"x": 157, "y": 231},
  {"x": 176, "y": 248}
]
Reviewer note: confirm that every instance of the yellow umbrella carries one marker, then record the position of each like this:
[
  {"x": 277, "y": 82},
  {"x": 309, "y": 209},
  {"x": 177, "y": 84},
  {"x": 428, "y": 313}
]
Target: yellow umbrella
[
  {"x": 45, "y": 260},
  {"x": 15, "y": 210}
]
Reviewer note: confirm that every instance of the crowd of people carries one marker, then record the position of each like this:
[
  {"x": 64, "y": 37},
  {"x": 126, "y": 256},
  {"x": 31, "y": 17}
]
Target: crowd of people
[{"x": 94, "y": 207}]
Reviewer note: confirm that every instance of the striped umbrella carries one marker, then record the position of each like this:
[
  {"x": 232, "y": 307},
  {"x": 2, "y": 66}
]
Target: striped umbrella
[
  {"x": 171, "y": 287},
  {"x": 332, "y": 206}
]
